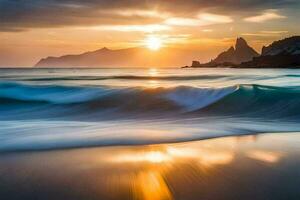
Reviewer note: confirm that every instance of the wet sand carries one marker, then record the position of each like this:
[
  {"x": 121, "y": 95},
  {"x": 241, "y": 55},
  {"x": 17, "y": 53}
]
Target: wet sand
[{"x": 247, "y": 167}]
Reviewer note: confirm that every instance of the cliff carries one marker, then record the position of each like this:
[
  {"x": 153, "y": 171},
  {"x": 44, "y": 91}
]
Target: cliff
[
  {"x": 284, "y": 53},
  {"x": 288, "y": 46},
  {"x": 280, "y": 54}
]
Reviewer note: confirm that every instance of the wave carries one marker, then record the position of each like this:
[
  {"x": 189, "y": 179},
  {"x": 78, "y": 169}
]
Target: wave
[
  {"x": 147, "y": 77},
  {"x": 121, "y": 77},
  {"x": 259, "y": 101},
  {"x": 57, "y": 116},
  {"x": 238, "y": 100}
]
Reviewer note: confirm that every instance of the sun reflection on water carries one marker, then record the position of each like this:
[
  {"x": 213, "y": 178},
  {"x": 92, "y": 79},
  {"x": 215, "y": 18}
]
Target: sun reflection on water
[
  {"x": 152, "y": 72},
  {"x": 153, "y": 84}
]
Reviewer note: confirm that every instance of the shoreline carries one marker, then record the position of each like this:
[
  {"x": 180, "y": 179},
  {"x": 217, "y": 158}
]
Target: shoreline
[
  {"x": 142, "y": 144},
  {"x": 236, "y": 167}
]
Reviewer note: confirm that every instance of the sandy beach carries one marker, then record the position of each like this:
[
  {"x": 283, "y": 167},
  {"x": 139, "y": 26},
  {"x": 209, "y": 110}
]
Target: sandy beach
[{"x": 243, "y": 167}]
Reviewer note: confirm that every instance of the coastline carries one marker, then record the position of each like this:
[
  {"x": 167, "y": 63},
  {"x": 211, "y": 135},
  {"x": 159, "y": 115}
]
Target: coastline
[{"x": 236, "y": 67}]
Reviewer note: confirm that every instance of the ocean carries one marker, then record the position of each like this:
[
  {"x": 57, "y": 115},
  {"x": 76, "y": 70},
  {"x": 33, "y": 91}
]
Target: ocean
[{"x": 45, "y": 109}]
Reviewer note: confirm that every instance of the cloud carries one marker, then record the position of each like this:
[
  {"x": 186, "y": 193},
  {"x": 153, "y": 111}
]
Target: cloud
[
  {"x": 179, "y": 21},
  {"x": 274, "y": 32},
  {"x": 140, "y": 13},
  {"x": 148, "y": 28},
  {"x": 22, "y": 15},
  {"x": 265, "y": 16},
  {"x": 213, "y": 18},
  {"x": 266, "y": 33},
  {"x": 207, "y": 30},
  {"x": 203, "y": 19}
]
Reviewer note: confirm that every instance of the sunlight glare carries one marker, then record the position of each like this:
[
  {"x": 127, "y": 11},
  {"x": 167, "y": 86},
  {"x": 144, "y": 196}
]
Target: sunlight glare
[
  {"x": 153, "y": 43},
  {"x": 152, "y": 72},
  {"x": 151, "y": 156}
]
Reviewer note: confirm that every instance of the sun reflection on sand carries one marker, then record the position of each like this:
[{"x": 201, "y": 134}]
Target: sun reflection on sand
[
  {"x": 155, "y": 161},
  {"x": 265, "y": 156},
  {"x": 151, "y": 156},
  {"x": 221, "y": 158},
  {"x": 150, "y": 185},
  {"x": 173, "y": 154},
  {"x": 206, "y": 155},
  {"x": 208, "y": 169}
]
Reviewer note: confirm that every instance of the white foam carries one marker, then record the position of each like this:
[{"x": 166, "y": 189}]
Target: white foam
[{"x": 192, "y": 98}]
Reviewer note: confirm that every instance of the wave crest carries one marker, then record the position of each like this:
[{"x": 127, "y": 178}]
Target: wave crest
[{"x": 241, "y": 100}]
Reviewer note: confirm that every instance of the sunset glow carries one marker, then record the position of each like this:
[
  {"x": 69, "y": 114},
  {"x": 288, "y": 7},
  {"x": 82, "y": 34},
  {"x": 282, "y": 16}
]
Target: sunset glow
[
  {"x": 203, "y": 29},
  {"x": 149, "y": 100},
  {"x": 153, "y": 43}
]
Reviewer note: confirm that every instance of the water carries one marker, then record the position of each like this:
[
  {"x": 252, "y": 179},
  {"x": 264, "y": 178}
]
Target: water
[{"x": 60, "y": 108}]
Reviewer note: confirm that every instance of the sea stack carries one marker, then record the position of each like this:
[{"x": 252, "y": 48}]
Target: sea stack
[{"x": 241, "y": 52}]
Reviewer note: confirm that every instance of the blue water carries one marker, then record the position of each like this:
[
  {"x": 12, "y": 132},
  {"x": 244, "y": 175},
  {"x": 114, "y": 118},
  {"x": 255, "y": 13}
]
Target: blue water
[{"x": 60, "y": 108}]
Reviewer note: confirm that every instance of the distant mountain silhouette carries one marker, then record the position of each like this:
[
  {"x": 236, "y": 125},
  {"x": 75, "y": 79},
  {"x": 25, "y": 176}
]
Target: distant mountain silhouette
[
  {"x": 280, "y": 54},
  {"x": 130, "y": 57}
]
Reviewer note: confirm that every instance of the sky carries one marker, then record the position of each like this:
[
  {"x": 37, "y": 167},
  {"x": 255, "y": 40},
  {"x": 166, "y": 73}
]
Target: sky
[{"x": 33, "y": 29}]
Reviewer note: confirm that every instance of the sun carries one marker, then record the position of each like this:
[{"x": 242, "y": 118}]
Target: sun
[{"x": 153, "y": 43}]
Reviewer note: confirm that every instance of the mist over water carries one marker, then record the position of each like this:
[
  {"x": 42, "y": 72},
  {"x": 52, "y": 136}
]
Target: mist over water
[{"x": 59, "y": 108}]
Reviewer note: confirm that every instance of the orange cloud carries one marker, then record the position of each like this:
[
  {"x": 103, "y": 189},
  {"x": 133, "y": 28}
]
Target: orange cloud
[
  {"x": 202, "y": 19},
  {"x": 147, "y": 28},
  {"x": 265, "y": 16}
]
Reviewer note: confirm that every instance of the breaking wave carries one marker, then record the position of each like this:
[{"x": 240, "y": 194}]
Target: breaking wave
[{"x": 64, "y": 101}]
